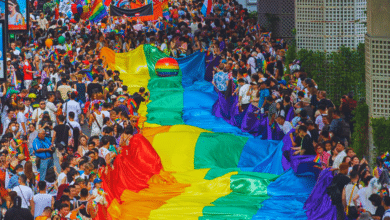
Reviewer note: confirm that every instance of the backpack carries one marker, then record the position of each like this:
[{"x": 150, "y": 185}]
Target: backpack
[
  {"x": 343, "y": 129},
  {"x": 259, "y": 65}
]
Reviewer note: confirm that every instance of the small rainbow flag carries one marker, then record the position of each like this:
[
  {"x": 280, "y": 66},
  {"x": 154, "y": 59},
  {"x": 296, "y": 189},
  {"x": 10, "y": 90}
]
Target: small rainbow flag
[
  {"x": 237, "y": 51},
  {"x": 133, "y": 103},
  {"x": 38, "y": 177},
  {"x": 18, "y": 141},
  {"x": 117, "y": 120},
  {"x": 100, "y": 191},
  {"x": 253, "y": 29},
  {"x": 317, "y": 159},
  {"x": 385, "y": 155},
  {"x": 265, "y": 64}
]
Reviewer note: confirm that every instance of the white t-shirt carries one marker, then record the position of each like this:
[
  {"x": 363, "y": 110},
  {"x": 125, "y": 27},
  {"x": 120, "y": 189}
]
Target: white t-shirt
[
  {"x": 350, "y": 190},
  {"x": 245, "y": 99},
  {"x": 363, "y": 197},
  {"x": 106, "y": 114},
  {"x": 61, "y": 177},
  {"x": 286, "y": 127},
  {"x": 41, "y": 201},
  {"x": 20, "y": 118},
  {"x": 252, "y": 63},
  {"x": 72, "y": 106},
  {"x": 74, "y": 125},
  {"x": 339, "y": 159},
  {"x": 387, "y": 214},
  {"x": 103, "y": 152},
  {"x": 25, "y": 193}
]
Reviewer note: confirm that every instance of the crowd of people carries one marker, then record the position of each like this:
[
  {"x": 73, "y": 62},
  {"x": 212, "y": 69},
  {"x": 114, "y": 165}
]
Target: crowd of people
[{"x": 50, "y": 163}]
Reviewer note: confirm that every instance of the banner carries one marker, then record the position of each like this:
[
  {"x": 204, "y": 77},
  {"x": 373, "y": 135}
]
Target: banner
[
  {"x": 18, "y": 15},
  {"x": 2, "y": 42},
  {"x": 65, "y": 6},
  {"x": 137, "y": 12},
  {"x": 2, "y": 10}
]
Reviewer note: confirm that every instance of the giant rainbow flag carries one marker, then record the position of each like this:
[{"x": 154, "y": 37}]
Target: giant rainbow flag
[{"x": 189, "y": 164}]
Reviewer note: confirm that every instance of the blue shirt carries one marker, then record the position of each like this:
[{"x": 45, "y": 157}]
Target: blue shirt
[
  {"x": 264, "y": 93},
  {"x": 42, "y": 144},
  {"x": 220, "y": 79},
  {"x": 14, "y": 181}
]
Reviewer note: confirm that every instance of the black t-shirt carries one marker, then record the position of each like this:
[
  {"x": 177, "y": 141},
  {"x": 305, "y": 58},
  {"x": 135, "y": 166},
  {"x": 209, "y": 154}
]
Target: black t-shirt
[
  {"x": 62, "y": 133},
  {"x": 99, "y": 162},
  {"x": 138, "y": 98},
  {"x": 314, "y": 135},
  {"x": 307, "y": 145},
  {"x": 93, "y": 86},
  {"x": 84, "y": 210},
  {"x": 326, "y": 102},
  {"x": 340, "y": 180},
  {"x": 380, "y": 211}
]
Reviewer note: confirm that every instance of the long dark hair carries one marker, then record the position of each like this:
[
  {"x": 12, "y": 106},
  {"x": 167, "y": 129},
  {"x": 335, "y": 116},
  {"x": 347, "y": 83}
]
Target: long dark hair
[{"x": 15, "y": 2}]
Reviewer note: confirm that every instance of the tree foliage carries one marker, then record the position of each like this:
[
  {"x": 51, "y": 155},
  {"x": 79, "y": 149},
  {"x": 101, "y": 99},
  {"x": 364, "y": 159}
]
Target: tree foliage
[
  {"x": 360, "y": 130},
  {"x": 338, "y": 73}
]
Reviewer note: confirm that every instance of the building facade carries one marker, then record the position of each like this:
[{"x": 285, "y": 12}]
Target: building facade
[
  {"x": 326, "y": 25},
  {"x": 377, "y": 44},
  {"x": 282, "y": 9}
]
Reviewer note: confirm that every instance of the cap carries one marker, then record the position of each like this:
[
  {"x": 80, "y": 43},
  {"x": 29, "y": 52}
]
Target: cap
[
  {"x": 79, "y": 180},
  {"x": 28, "y": 56},
  {"x": 298, "y": 110},
  {"x": 32, "y": 96},
  {"x": 34, "y": 83},
  {"x": 97, "y": 180},
  {"x": 307, "y": 100},
  {"x": 45, "y": 112},
  {"x": 8, "y": 59}
]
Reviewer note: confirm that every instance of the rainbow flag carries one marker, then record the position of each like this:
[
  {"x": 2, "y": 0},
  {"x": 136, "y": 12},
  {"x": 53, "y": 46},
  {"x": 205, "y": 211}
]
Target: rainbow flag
[
  {"x": 174, "y": 164},
  {"x": 385, "y": 155},
  {"x": 317, "y": 159},
  {"x": 253, "y": 29},
  {"x": 265, "y": 64},
  {"x": 133, "y": 103},
  {"x": 98, "y": 11},
  {"x": 38, "y": 177},
  {"x": 73, "y": 61}
]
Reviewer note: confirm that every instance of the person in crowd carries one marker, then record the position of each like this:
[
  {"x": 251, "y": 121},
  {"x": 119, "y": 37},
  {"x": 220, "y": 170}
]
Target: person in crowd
[
  {"x": 349, "y": 192},
  {"x": 24, "y": 191},
  {"x": 243, "y": 98},
  {"x": 220, "y": 79},
  {"x": 337, "y": 192},
  {"x": 17, "y": 211},
  {"x": 284, "y": 125},
  {"x": 41, "y": 200},
  {"x": 340, "y": 154},
  {"x": 43, "y": 149},
  {"x": 376, "y": 201},
  {"x": 386, "y": 205},
  {"x": 306, "y": 147}
]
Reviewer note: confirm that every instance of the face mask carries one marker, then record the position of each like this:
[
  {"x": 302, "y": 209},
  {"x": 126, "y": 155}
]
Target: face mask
[
  {"x": 20, "y": 173},
  {"x": 13, "y": 128}
]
